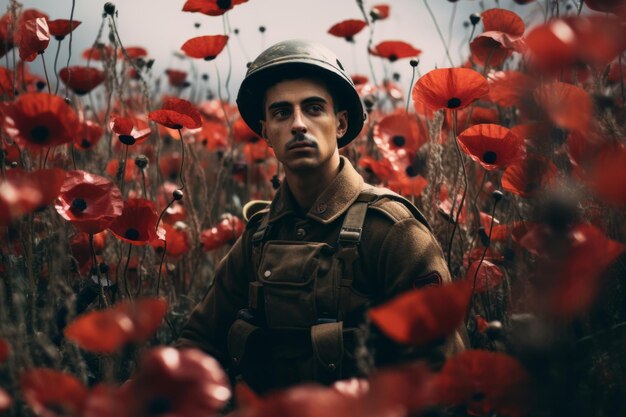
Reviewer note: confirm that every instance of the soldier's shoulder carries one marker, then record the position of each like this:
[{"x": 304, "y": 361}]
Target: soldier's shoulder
[
  {"x": 393, "y": 206},
  {"x": 254, "y": 211}
]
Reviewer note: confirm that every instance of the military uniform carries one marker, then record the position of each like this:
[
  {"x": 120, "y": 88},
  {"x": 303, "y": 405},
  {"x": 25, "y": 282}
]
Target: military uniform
[{"x": 291, "y": 294}]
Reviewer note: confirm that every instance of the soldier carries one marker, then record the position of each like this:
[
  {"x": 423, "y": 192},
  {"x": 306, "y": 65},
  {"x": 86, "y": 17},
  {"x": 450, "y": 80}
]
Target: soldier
[{"x": 288, "y": 302}]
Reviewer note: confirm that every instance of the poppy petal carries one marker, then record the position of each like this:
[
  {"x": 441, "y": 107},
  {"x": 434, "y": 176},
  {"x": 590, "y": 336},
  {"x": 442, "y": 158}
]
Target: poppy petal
[
  {"x": 205, "y": 47},
  {"x": 450, "y": 88}
]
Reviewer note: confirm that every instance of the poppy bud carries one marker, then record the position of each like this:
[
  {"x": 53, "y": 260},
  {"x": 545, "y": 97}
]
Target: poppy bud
[
  {"x": 141, "y": 161},
  {"x": 497, "y": 195},
  {"x": 475, "y": 18},
  {"x": 262, "y": 29},
  {"x": 236, "y": 31},
  {"x": 40, "y": 85},
  {"x": 109, "y": 8},
  {"x": 127, "y": 139},
  {"x": 150, "y": 63},
  {"x": 396, "y": 76},
  {"x": 196, "y": 25},
  {"x": 68, "y": 101},
  {"x": 205, "y": 77},
  {"x": 414, "y": 62},
  {"x": 177, "y": 195},
  {"x": 369, "y": 101},
  {"x": 494, "y": 329}
]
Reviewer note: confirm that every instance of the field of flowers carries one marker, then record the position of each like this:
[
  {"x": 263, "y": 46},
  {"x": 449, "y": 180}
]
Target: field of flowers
[{"x": 121, "y": 189}]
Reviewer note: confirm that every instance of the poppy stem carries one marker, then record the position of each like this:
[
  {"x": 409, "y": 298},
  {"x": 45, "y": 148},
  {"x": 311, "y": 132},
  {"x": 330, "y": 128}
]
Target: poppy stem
[
  {"x": 443, "y": 40},
  {"x": 69, "y": 46},
  {"x": 161, "y": 266},
  {"x": 73, "y": 153},
  {"x": 56, "y": 73},
  {"x": 370, "y": 41},
  {"x": 162, "y": 213},
  {"x": 408, "y": 96},
  {"x": 230, "y": 59},
  {"x": 45, "y": 71},
  {"x": 96, "y": 268},
  {"x": 143, "y": 183},
  {"x": 130, "y": 248},
  {"x": 121, "y": 170},
  {"x": 181, "y": 173}
]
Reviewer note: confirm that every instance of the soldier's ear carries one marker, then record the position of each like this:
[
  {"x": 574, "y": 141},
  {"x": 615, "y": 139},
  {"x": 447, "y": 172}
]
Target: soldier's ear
[
  {"x": 342, "y": 123},
  {"x": 264, "y": 133}
]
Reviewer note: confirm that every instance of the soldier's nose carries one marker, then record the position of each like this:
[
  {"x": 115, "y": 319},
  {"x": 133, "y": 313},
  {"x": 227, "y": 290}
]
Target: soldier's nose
[{"x": 298, "y": 125}]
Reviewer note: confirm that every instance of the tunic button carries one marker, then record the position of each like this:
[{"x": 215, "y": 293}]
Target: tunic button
[
  {"x": 321, "y": 207},
  {"x": 300, "y": 233},
  {"x": 332, "y": 366},
  {"x": 267, "y": 273}
]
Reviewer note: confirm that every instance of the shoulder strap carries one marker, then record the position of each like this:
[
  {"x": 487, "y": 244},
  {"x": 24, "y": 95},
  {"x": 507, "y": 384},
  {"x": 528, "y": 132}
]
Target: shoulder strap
[{"x": 379, "y": 192}]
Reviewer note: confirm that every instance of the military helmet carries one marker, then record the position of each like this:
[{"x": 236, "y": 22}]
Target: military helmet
[{"x": 294, "y": 58}]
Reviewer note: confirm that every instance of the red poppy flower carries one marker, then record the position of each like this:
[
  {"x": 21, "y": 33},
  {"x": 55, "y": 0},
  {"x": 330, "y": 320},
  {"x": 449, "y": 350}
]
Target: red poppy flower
[
  {"x": 242, "y": 132},
  {"x": 503, "y": 20},
  {"x": 205, "y": 47},
  {"x": 379, "y": 11},
  {"x": 607, "y": 178},
  {"x": 493, "y": 146},
  {"x": 89, "y": 202},
  {"x": 169, "y": 381},
  {"x": 510, "y": 88},
  {"x": 407, "y": 185},
  {"x": 52, "y": 393},
  {"x": 489, "y": 275},
  {"x": 211, "y": 7},
  {"x": 382, "y": 169},
  {"x": 471, "y": 116},
  {"x": 127, "y": 134},
  {"x": 47, "y": 181},
  {"x": 609, "y": 6},
  {"x": 81, "y": 80},
  {"x": 486, "y": 382},
  {"x": 399, "y": 133},
  {"x": 394, "y": 50},
  {"x": 257, "y": 152},
  {"x": 41, "y": 120},
  {"x": 176, "y": 78},
  {"x": 100, "y": 52},
  {"x": 347, "y": 29},
  {"x": 130, "y": 172},
  {"x": 16, "y": 201},
  {"x": 422, "y": 316},
  {"x": 32, "y": 37},
  {"x": 133, "y": 52},
  {"x": 528, "y": 175},
  {"x": 450, "y": 88},
  {"x": 177, "y": 241},
  {"x": 493, "y": 48},
  {"x": 226, "y": 232},
  {"x": 177, "y": 113},
  {"x": 60, "y": 28},
  {"x": 6, "y": 82},
  {"x": 567, "y": 106},
  {"x": 136, "y": 225},
  {"x": 88, "y": 135},
  {"x": 81, "y": 249},
  {"x": 6, "y": 33}
]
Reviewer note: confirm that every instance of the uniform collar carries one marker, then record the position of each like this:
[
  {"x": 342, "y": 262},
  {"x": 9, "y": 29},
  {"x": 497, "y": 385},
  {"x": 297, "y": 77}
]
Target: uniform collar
[{"x": 332, "y": 202}]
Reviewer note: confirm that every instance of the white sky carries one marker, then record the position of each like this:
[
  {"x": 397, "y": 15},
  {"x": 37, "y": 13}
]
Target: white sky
[{"x": 161, "y": 27}]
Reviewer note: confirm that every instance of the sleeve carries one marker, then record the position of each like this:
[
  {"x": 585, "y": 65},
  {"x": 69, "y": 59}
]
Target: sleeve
[{"x": 209, "y": 322}]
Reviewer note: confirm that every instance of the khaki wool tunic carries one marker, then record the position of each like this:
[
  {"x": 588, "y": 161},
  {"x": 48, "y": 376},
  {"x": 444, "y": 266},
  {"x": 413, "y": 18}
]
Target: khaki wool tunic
[{"x": 396, "y": 253}]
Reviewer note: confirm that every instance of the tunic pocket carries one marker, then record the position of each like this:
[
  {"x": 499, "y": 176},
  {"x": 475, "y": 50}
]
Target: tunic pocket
[{"x": 288, "y": 272}]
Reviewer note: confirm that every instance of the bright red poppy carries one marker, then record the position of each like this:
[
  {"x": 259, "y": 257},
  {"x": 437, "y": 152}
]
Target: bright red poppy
[
  {"x": 423, "y": 316},
  {"x": 489, "y": 275},
  {"x": 503, "y": 20},
  {"x": 406, "y": 182},
  {"x": 124, "y": 127},
  {"x": 81, "y": 80},
  {"x": 394, "y": 50},
  {"x": 225, "y": 232},
  {"x": 347, "y": 29},
  {"x": 100, "y": 52},
  {"x": 136, "y": 225},
  {"x": 88, "y": 135},
  {"x": 177, "y": 241},
  {"x": 400, "y": 133},
  {"x": 32, "y": 37},
  {"x": 60, "y": 28},
  {"x": 176, "y": 113},
  {"x": 486, "y": 382},
  {"x": 257, "y": 152},
  {"x": 133, "y": 52},
  {"x": 528, "y": 175},
  {"x": 450, "y": 88},
  {"x": 382, "y": 168},
  {"x": 379, "y": 11},
  {"x": 89, "y": 202},
  {"x": 51, "y": 393},
  {"x": 494, "y": 47},
  {"x": 511, "y": 88},
  {"x": 205, "y": 47},
  {"x": 47, "y": 181},
  {"x": 107, "y": 331},
  {"x": 41, "y": 120},
  {"x": 211, "y": 7},
  {"x": 492, "y": 146},
  {"x": 567, "y": 106},
  {"x": 607, "y": 177},
  {"x": 176, "y": 78},
  {"x": 242, "y": 132}
]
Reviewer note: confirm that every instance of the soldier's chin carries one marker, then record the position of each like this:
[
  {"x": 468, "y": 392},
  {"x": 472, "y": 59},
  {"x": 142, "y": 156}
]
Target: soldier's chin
[{"x": 303, "y": 163}]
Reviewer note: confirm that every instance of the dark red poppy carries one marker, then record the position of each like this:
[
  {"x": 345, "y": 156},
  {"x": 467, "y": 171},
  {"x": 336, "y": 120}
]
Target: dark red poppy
[
  {"x": 100, "y": 52},
  {"x": 133, "y": 52},
  {"x": 450, "y": 88},
  {"x": 486, "y": 382},
  {"x": 6, "y": 82},
  {"x": 489, "y": 276},
  {"x": 60, "y": 28},
  {"x": 493, "y": 146},
  {"x": 6, "y": 33},
  {"x": 211, "y": 7},
  {"x": 529, "y": 175},
  {"x": 347, "y": 29},
  {"x": 256, "y": 152},
  {"x": 510, "y": 88},
  {"x": 16, "y": 201},
  {"x": 47, "y": 181},
  {"x": 359, "y": 79},
  {"x": 52, "y": 393},
  {"x": 225, "y": 232},
  {"x": 514, "y": 231},
  {"x": 448, "y": 210},
  {"x": 379, "y": 11},
  {"x": 503, "y": 20},
  {"x": 609, "y": 6},
  {"x": 176, "y": 78},
  {"x": 242, "y": 132},
  {"x": 394, "y": 50},
  {"x": 176, "y": 113},
  {"x": 136, "y": 225},
  {"x": 130, "y": 172},
  {"x": 126, "y": 132},
  {"x": 567, "y": 106},
  {"x": 607, "y": 177},
  {"x": 493, "y": 48},
  {"x": 41, "y": 120},
  {"x": 81, "y": 249},
  {"x": 170, "y": 166},
  {"x": 205, "y": 47},
  {"x": 177, "y": 241},
  {"x": 423, "y": 316},
  {"x": 89, "y": 202},
  {"x": 81, "y": 80},
  {"x": 88, "y": 135},
  {"x": 401, "y": 134},
  {"x": 382, "y": 168},
  {"x": 32, "y": 37},
  {"x": 5, "y": 350},
  {"x": 213, "y": 136},
  {"x": 107, "y": 331}
]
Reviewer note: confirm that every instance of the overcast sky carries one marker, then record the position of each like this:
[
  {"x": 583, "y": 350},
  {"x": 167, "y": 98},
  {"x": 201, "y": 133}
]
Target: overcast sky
[{"x": 161, "y": 27}]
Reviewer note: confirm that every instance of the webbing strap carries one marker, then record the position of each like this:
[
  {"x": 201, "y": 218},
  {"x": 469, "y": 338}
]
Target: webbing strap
[{"x": 259, "y": 235}]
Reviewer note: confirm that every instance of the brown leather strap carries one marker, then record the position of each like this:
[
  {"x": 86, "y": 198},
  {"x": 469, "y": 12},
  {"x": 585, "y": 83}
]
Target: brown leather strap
[{"x": 327, "y": 343}]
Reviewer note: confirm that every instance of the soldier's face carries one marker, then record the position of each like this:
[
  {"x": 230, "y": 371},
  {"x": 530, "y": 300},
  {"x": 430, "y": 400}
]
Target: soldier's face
[{"x": 301, "y": 124}]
